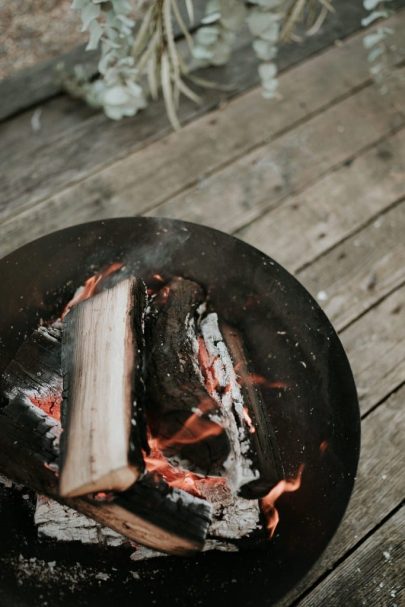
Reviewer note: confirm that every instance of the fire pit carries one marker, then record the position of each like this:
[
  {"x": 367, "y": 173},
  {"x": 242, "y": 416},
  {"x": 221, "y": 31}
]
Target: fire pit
[{"x": 296, "y": 360}]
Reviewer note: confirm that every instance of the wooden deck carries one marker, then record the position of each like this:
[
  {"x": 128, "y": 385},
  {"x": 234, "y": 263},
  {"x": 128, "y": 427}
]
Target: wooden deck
[{"x": 318, "y": 183}]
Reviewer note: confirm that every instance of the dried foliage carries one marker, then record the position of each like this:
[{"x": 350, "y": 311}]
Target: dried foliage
[{"x": 140, "y": 57}]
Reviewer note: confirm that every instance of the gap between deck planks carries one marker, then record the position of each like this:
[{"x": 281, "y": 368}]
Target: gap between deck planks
[
  {"x": 358, "y": 272},
  {"x": 37, "y": 83},
  {"x": 106, "y": 193},
  {"x": 372, "y": 576},
  {"x": 264, "y": 178},
  {"x": 312, "y": 149},
  {"x": 336, "y": 205},
  {"x": 119, "y": 139},
  {"x": 371, "y": 502},
  {"x": 379, "y": 330}
]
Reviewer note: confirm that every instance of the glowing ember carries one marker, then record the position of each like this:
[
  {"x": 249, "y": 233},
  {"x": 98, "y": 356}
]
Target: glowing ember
[
  {"x": 103, "y": 496},
  {"x": 90, "y": 287},
  {"x": 267, "y": 503},
  {"x": 50, "y": 404}
]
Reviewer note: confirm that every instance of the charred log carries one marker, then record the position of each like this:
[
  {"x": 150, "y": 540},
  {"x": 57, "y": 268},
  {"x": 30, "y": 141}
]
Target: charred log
[
  {"x": 174, "y": 383},
  {"x": 35, "y": 370},
  {"x": 101, "y": 445},
  {"x": 263, "y": 448},
  {"x": 150, "y": 513}
]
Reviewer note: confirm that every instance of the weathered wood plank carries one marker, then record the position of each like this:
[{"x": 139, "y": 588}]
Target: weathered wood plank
[
  {"x": 312, "y": 221},
  {"x": 382, "y": 453},
  {"x": 30, "y": 86},
  {"x": 375, "y": 347},
  {"x": 86, "y": 147},
  {"x": 360, "y": 271},
  {"x": 372, "y": 576},
  {"x": 244, "y": 189},
  {"x": 262, "y": 179}
]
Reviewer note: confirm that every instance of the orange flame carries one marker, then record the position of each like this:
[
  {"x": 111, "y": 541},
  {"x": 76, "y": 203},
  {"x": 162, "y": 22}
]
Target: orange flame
[
  {"x": 323, "y": 446},
  {"x": 195, "y": 429},
  {"x": 164, "y": 294},
  {"x": 267, "y": 503},
  {"x": 258, "y": 380},
  {"x": 174, "y": 476},
  {"x": 90, "y": 286}
]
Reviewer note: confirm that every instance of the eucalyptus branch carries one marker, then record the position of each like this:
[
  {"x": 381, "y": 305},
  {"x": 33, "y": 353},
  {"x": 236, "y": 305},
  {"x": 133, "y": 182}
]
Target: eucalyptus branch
[
  {"x": 377, "y": 43},
  {"x": 140, "y": 57}
]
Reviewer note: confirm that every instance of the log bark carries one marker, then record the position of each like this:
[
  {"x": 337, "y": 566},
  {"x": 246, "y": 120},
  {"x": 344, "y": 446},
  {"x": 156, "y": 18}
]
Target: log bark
[
  {"x": 150, "y": 513},
  {"x": 175, "y": 386},
  {"x": 102, "y": 346},
  {"x": 263, "y": 448}
]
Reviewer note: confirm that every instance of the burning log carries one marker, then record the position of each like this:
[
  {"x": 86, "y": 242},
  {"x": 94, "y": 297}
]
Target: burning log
[
  {"x": 150, "y": 513},
  {"x": 192, "y": 382},
  {"x": 101, "y": 361},
  {"x": 263, "y": 449},
  {"x": 180, "y": 411}
]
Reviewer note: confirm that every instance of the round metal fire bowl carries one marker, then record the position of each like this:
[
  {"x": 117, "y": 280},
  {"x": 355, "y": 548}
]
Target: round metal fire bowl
[{"x": 291, "y": 343}]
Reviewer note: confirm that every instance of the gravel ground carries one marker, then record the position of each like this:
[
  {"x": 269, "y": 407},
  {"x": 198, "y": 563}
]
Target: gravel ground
[{"x": 35, "y": 30}]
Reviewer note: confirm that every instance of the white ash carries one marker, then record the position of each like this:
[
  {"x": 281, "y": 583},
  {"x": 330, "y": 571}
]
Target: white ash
[
  {"x": 220, "y": 546},
  {"x": 142, "y": 553},
  {"x": 62, "y": 523},
  {"x": 239, "y": 467},
  {"x": 233, "y": 516},
  {"x": 6, "y": 482}
]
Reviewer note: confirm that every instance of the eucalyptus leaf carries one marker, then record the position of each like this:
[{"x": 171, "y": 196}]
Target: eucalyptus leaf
[
  {"x": 260, "y": 22},
  {"x": 96, "y": 31},
  {"x": 370, "y": 5},
  {"x": 264, "y": 50},
  {"x": 373, "y": 17},
  {"x": 89, "y": 12}
]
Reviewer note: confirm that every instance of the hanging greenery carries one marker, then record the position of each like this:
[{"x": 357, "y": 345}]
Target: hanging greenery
[
  {"x": 377, "y": 43},
  {"x": 139, "y": 56}
]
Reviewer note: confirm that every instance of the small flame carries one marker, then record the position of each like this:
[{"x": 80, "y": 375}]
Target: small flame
[
  {"x": 267, "y": 503},
  {"x": 195, "y": 429},
  {"x": 158, "y": 277},
  {"x": 174, "y": 476},
  {"x": 90, "y": 286},
  {"x": 164, "y": 294},
  {"x": 323, "y": 446},
  {"x": 258, "y": 380}
]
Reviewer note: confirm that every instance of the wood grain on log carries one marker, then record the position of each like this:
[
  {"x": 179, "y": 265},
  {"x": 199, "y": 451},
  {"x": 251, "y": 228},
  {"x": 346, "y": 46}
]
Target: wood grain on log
[{"x": 101, "y": 362}]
